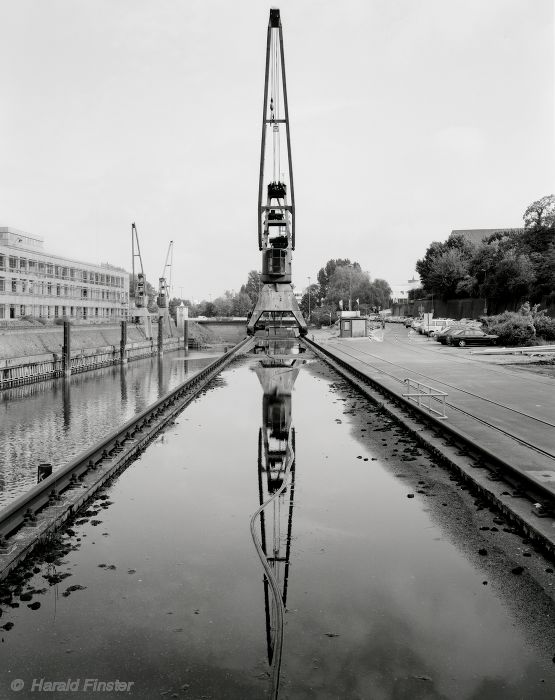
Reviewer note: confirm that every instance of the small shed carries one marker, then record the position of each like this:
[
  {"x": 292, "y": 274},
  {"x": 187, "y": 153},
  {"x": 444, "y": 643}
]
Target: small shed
[{"x": 354, "y": 327}]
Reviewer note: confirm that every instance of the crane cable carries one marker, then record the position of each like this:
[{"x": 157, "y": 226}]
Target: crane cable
[{"x": 274, "y": 109}]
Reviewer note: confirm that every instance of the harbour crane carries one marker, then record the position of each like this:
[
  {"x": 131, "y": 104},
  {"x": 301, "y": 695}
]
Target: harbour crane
[
  {"x": 164, "y": 290},
  {"x": 164, "y": 287},
  {"x": 140, "y": 313},
  {"x": 276, "y": 311}
]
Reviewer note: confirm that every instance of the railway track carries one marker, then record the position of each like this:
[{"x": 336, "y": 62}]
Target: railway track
[
  {"x": 424, "y": 348},
  {"x": 31, "y": 517},
  {"x": 461, "y": 451},
  {"x": 442, "y": 383}
]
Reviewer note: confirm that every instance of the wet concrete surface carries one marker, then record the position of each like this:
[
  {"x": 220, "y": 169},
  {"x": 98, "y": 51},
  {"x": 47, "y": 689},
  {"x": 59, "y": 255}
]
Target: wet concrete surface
[
  {"x": 395, "y": 588},
  {"x": 55, "y": 420}
]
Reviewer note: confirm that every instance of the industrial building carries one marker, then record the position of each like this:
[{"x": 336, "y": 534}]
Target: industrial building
[{"x": 41, "y": 285}]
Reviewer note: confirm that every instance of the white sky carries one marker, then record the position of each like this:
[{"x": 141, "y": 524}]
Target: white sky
[{"x": 409, "y": 118}]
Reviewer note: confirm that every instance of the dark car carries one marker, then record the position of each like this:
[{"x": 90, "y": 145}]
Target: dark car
[
  {"x": 470, "y": 337},
  {"x": 442, "y": 336}
]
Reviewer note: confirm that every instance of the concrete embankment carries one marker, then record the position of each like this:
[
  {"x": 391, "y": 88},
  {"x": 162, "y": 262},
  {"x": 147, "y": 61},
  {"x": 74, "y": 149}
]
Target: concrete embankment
[
  {"x": 33, "y": 354},
  {"x": 23, "y": 343}
]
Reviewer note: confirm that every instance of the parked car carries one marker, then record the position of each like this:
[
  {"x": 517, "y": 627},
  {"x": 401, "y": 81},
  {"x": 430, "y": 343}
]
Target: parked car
[
  {"x": 442, "y": 336},
  {"x": 434, "y": 326},
  {"x": 408, "y": 321},
  {"x": 471, "y": 336}
]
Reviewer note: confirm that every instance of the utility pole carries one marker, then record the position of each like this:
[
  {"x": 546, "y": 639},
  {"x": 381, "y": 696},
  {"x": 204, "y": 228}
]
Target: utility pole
[{"x": 309, "y": 299}]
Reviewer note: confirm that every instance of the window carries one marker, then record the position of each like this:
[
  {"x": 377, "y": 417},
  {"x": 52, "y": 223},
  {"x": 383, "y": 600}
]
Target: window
[
  {"x": 13, "y": 263},
  {"x": 2, "y": 262},
  {"x": 2, "y": 284},
  {"x": 14, "y": 285}
]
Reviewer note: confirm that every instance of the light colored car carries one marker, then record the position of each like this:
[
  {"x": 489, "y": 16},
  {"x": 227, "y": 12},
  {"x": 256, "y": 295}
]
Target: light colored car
[{"x": 435, "y": 326}]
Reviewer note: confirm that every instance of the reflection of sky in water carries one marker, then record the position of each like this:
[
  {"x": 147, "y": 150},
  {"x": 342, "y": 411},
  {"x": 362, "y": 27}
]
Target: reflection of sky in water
[
  {"x": 53, "y": 421},
  {"x": 382, "y": 602}
]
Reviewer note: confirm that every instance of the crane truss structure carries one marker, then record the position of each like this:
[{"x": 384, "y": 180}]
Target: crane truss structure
[
  {"x": 276, "y": 312},
  {"x": 138, "y": 312},
  {"x": 164, "y": 291}
]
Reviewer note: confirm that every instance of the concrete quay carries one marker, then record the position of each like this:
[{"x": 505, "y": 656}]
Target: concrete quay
[{"x": 508, "y": 412}]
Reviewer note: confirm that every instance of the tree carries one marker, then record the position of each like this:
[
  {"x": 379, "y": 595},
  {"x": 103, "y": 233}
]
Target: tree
[
  {"x": 325, "y": 273},
  {"x": 223, "y": 305},
  {"x": 242, "y": 304},
  {"x": 513, "y": 278},
  {"x": 312, "y": 292},
  {"x": 342, "y": 283},
  {"x": 446, "y": 265},
  {"x": 446, "y": 271},
  {"x": 540, "y": 214},
  {"x": 252, "y": 287}
]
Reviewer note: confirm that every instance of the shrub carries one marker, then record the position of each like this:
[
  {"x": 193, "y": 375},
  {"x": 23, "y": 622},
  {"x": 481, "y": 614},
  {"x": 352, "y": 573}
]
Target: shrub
[
  {"x": 545, "y": 327},
  {"x": 512, "y": 328}
]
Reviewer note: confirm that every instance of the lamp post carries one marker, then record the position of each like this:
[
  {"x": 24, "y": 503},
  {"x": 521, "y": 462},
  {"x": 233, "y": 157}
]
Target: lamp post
[
  {"x": 485, "y": 292},
  {"x": 308, "y": 299},
  {"x": 350, "y": 280}
]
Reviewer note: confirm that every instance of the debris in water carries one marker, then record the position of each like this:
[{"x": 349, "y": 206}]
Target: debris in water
[{"x": 71, "y": 589}]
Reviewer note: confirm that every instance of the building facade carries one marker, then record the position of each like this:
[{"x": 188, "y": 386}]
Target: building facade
[
  {"x": 400, "y": 291},
  {"x": 37, "y": 284}
]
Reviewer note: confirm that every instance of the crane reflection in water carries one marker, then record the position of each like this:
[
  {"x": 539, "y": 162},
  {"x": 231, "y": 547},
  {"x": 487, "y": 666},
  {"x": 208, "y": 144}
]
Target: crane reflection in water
[{"x": 277, "y": 372}]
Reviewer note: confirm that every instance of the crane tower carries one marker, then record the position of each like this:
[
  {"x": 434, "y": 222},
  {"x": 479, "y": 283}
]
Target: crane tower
[{"x": 276, "y": 307}]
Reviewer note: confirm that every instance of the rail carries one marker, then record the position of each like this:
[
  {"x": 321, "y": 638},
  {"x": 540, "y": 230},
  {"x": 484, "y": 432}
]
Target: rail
[
  {"x": 541, "y": 491},
  {"x": 25, "y": 508},
  {"x": 420, "y": 392}
]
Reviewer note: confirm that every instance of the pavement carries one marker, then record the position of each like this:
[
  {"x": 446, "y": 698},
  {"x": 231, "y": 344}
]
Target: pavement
[{"x": 509, "y": 412}]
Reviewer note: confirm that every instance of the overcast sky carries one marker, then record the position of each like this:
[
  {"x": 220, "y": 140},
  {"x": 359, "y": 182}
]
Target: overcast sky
[{"x": 409, "y": 118}]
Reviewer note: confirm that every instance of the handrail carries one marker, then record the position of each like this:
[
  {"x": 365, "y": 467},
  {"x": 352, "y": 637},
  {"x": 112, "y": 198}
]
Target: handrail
[{"x": 419, "y": 391}]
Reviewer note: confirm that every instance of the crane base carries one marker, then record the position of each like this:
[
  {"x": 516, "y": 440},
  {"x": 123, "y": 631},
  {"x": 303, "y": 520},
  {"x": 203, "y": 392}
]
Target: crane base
[{"x": 276, "y": 308}]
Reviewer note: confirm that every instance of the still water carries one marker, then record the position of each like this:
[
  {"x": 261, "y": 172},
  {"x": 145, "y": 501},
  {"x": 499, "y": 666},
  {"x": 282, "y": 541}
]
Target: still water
[
  {"x": 376, "y": 554},
  {"x": 55, "y": 420}
]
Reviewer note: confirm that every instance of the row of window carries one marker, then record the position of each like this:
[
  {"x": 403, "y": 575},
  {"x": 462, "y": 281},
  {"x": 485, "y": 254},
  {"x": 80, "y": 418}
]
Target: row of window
[
  {"x": 44, "y": 311},
  {"x": 23, "y": 286},
  {"x": 37, "y": 267}
]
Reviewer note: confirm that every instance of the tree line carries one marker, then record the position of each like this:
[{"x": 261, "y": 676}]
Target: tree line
[
  {"x": 511, "y": 266},
  {"x": 340, "y": 283}
]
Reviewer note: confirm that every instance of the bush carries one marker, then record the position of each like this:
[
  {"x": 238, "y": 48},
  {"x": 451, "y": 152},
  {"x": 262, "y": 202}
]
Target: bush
[
  {"x": 545, "y": 327},
  {"x": 512, "y": 328}
]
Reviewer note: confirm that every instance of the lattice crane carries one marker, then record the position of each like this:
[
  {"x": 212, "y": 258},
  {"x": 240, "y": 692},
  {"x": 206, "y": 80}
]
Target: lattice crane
[{"x": 276, "y": 306}]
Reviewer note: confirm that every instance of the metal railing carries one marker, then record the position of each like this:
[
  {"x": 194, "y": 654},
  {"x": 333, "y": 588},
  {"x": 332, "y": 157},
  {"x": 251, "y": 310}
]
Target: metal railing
[
  {"x": 418, "y": 392},
  {"x": 25, "y": 508}
]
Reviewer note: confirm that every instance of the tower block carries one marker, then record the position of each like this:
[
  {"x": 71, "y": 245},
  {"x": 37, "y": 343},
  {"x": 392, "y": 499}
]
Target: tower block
[{"x": 276, "y": 307}]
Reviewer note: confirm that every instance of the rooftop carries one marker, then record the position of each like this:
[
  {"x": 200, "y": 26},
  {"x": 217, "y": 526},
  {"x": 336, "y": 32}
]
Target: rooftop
[{"x": 477, "y": 235}]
